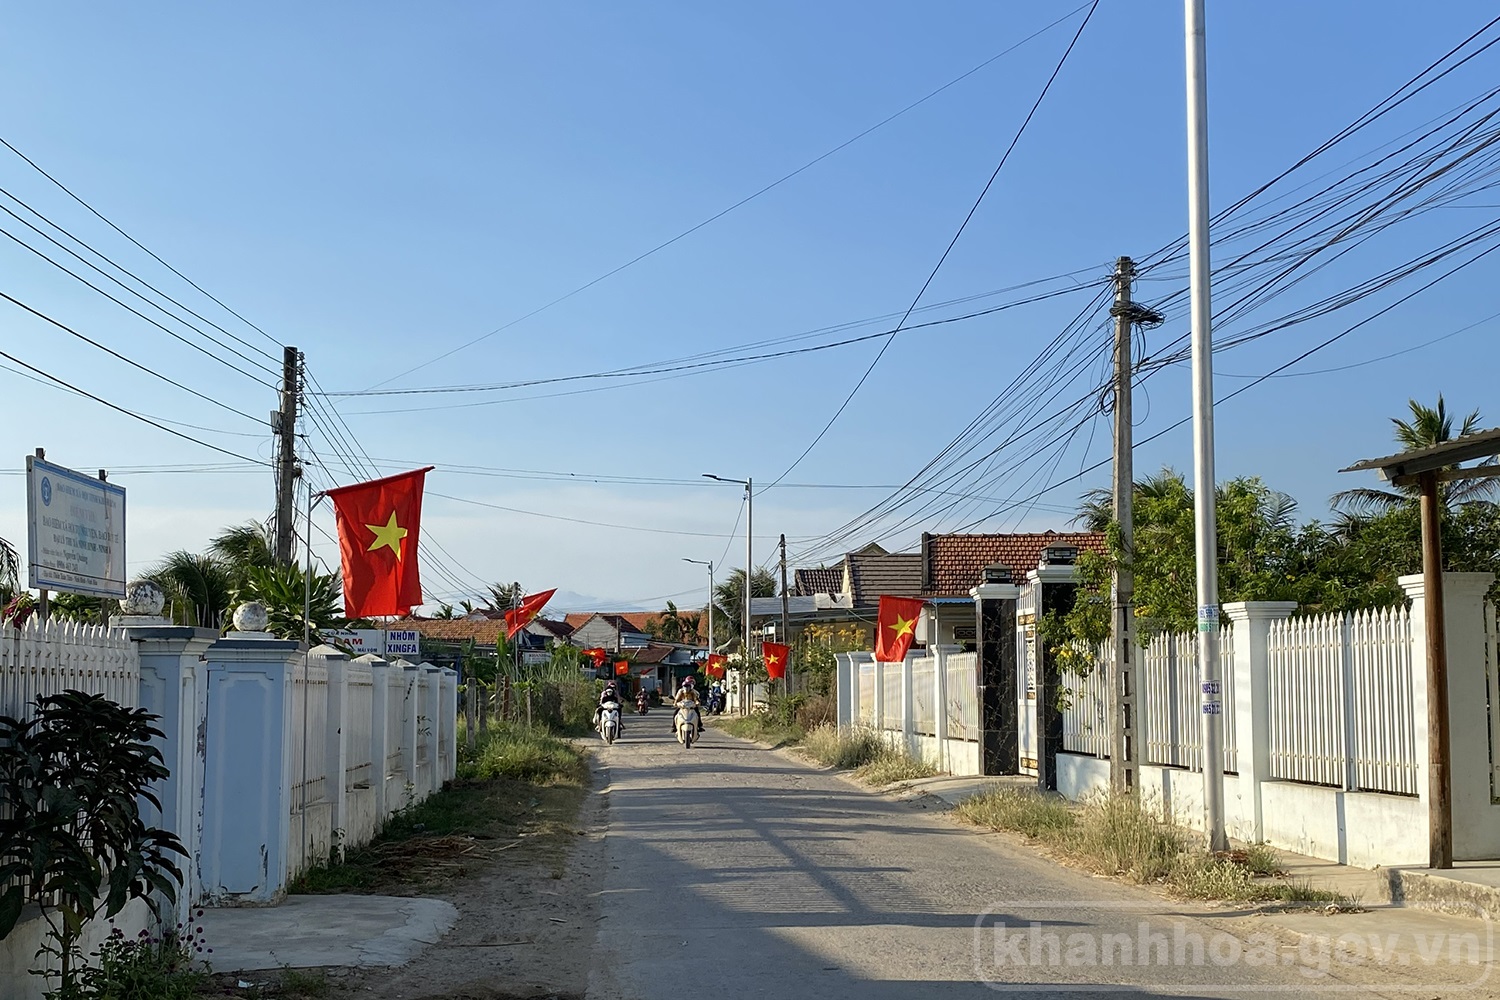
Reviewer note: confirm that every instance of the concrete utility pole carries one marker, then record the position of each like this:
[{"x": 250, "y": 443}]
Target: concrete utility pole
[
  {"x": 785, "y": 628},
  {"x": 286, "y": 459},
  {"x": 1122, "y": 756},
  {"x": 43, "y": 597},
  {"x": 749, "y": 585},
  {"x": 1205, "y": 522}
]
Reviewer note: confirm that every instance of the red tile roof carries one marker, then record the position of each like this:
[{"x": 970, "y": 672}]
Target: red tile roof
[
  {"x": 481, "y": 631},
  {"x": 956, "y": 562}
]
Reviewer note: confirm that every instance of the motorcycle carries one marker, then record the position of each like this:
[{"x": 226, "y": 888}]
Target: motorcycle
[
  {"x": 609, "y": 721},
  {"x": 716, "y": 703},
  {"x": 642, "y": 703},
  {"x": 685, "y": 723}
]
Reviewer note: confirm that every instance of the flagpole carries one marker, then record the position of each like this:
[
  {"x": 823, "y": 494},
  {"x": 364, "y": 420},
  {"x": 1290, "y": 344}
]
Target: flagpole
[{"x": 306, "y": 660}]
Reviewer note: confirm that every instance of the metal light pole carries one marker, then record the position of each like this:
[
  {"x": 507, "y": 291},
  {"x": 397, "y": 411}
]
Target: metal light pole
[
  {"x": 1206, "y": 528},
  {"x": 749, "y": 557},
  {"x": 709, "y": 608}
]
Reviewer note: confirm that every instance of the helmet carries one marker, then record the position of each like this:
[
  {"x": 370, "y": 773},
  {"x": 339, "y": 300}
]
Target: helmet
[{"x": 687, "y": 683}]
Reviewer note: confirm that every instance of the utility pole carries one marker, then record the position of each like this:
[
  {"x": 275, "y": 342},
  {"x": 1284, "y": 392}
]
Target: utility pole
[
  {"x": 43, "y": 597},
  {"x": 745, "y": 708},
  {"x": 1122, "y": 745},
  {"x": 285, "y": 421},
  {"x": 786, "y": 631},
  {"x": 1205, "y": 522}
]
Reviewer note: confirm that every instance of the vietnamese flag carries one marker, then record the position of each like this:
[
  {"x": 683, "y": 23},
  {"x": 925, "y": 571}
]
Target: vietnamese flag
[
  {"x": 622, "y": 667},
  {"x": 598, "y": 655},
  {"x": 895, "y": 627},
  {"x": 524, "y": 613},
  {"x": 379, "y": 523},
  {"x": 716, "y": 662},
  {"x": 777, "y": 657}
]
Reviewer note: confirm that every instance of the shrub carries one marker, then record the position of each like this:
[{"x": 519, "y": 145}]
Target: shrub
[
  {"x": 72, "y": 839},
  {"x": 148, "y": 968}
]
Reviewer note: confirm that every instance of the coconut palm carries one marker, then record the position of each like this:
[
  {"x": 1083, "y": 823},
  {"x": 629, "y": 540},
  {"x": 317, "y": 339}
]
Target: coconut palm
[
  {"x": 199, "y": 588},
  {"x": 243, "y": 547},
  {"x": 10, "y": 571},
  {"x": 1428, "y": 426},
  {"x": 729, "y": 599}
]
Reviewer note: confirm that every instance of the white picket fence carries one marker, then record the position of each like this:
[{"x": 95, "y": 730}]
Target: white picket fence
[
  {"x": 963, "y": 696},
  {"x": 1341, "y": 701},
  {"x": 44, "y": 658},
  {"x": 1171, "y": 714},
  {"x": 1492, "y": 675}
]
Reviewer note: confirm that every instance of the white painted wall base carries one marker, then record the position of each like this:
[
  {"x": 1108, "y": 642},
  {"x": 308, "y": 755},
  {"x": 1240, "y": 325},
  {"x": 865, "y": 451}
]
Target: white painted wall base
[{"x": 17, "y": 949}]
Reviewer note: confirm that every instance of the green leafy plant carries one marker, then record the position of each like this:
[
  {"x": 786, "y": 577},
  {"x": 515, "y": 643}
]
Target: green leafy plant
[
  {"x": 282, "y": 589},
  {"x": 148, "y": 967},
  {"x": 72, "y": 840}
]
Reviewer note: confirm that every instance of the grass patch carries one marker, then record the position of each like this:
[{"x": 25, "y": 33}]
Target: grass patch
[
  {"x": 892, "y": 765},
  {"x": 866, "y": 753},
  {"x": 762, "y": 727},
  {"x": 1117, "y": 836},
  {"x": 516, "y": 784}
]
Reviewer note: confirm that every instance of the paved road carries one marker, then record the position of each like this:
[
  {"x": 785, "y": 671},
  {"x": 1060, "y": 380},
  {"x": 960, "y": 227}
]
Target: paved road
[{"x": 736, "y": 871}]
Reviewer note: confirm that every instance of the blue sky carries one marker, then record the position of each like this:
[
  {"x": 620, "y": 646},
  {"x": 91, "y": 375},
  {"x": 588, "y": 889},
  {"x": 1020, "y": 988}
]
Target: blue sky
[{"x": 381, "y": 183}]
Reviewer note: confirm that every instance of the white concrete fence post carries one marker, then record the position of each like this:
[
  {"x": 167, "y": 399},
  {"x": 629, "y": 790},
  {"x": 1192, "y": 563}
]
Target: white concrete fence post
[
  {"x": 908, "y": 716},
  {"x": 450, "y": 725},
  {"x": 380, "y": 734},
  {"x": 1250, "y": 675},
  {"x": 846, "y": 679},
  {"x": 940, "y": 705},
  {"x": 336, "y": 737}
]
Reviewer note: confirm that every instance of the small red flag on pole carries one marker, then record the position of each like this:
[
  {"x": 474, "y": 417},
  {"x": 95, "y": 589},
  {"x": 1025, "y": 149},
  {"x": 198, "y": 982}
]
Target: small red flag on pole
[
  {"x": 598, "y": 655},
  {"x": 378, "y": 524},
  {"x": 715, "y": 667},
  {"x": 525, "y": 613},
  {"x": 776, "y": 656},
  {"x": 896, "y": 626},
  {"x": 622, "y": 667}
]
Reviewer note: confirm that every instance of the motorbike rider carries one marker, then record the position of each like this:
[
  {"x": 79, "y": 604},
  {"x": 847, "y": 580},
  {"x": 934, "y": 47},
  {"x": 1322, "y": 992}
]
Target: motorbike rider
[
  {"x": 686, "y": 700},
  {"x": 610, "y": 693},
  {"x": 641, "y": 701}
]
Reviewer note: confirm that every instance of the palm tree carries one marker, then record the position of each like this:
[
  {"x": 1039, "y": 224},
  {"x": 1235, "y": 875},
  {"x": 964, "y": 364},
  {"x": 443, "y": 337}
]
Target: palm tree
[
  {"x": 242, "y": 547},
  {"x": 729, "y": 599},
  {"x": 10, "y": 571},
  {"x": 1428, "y": 426},
  {"x": 199, "y": 588},
  {"x": 444, "y": 612}
]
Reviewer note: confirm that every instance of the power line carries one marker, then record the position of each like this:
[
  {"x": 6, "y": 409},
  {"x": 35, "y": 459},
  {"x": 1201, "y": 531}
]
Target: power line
[
  {"x": 951, "y": 244},
  {"x": 743, "y": 201},
  {"x": 135, "y": 416}
]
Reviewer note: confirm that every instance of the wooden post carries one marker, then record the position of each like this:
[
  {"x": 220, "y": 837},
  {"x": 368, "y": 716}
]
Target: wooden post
[
  {"x": 483, "y": 704},
  {"x": 528, "y": 706},
  {"x": 1439, "y": 777}
]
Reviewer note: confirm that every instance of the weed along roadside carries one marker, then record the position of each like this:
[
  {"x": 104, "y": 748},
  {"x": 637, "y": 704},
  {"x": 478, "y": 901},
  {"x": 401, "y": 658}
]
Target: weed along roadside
[
  {"x": 1116, "y": 837},
  {"x": 862, "y": 752}
]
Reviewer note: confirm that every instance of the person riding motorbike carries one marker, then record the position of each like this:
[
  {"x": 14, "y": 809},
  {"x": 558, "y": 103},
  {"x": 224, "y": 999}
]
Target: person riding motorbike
[
  {"x": 610, "y": 693},
  {"x": 686, "y": 700},
  {"x": 641, "y": 701}
]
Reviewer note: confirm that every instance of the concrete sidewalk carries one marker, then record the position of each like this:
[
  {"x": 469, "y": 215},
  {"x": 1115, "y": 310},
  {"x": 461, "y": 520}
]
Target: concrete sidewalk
[
  {"x": 307, "y": 932},
  {"x": 1469, "y": 889}
]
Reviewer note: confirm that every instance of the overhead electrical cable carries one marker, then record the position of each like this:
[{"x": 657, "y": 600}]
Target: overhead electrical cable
[{"x": 743, "y": 201}]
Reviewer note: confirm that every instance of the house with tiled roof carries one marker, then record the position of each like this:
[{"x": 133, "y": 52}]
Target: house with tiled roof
[
  {"x": 943, "y": 572},
  {"x": 606, "y": 630}
]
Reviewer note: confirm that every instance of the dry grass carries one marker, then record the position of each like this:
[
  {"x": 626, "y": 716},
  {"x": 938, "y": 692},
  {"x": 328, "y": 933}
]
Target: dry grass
[{"x": 1117, "y": 836}]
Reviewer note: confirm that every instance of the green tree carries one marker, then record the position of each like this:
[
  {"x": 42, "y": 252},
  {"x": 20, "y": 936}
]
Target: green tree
[
  {"x": 284, "y": 592},
  {"x": 199, "y": 588},
  {"x": 444, "y": 612},
  {"x": 1428, "y": 426},
  {"x": 241, "y": 548},
  {"x": 10, "y": 571},
  {"x": 729, "y": 600},
  {"x": 73, "y": 841}
]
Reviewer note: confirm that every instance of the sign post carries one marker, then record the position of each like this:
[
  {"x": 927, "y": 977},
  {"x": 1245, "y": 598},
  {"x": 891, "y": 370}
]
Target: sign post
[{"x": 75, "y": 529}]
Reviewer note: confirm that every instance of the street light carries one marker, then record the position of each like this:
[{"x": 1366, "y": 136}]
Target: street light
[
  {"x": 709, "y": 609},
  {"x": 749, "y": 559}
]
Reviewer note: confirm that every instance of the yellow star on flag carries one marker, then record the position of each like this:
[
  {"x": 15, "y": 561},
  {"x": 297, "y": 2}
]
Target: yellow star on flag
[
  {"x": 387, "y": 535},
  {"x": 774, "y": 660},
  {"x": 903, "y": 626}
]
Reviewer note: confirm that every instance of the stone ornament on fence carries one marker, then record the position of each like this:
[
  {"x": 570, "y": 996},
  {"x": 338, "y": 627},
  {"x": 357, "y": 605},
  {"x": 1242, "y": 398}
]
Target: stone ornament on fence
[
  {"x": 144, "y": 599},
  {"x": 251, "y": 617}
]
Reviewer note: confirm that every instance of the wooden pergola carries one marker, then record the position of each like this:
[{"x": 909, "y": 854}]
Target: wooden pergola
[{"x": 1426, "y": 468}]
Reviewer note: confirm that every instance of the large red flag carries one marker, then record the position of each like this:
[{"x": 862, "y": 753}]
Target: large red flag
[
  {"x": 896, "y": 626},
  {"x": 777, "y": 657},
  {"x": 598, "y": 654},
  {"x": 716, "y": 662},
  {"x": 378, "y": 525},
  {"x": 524, "y": 613}
]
